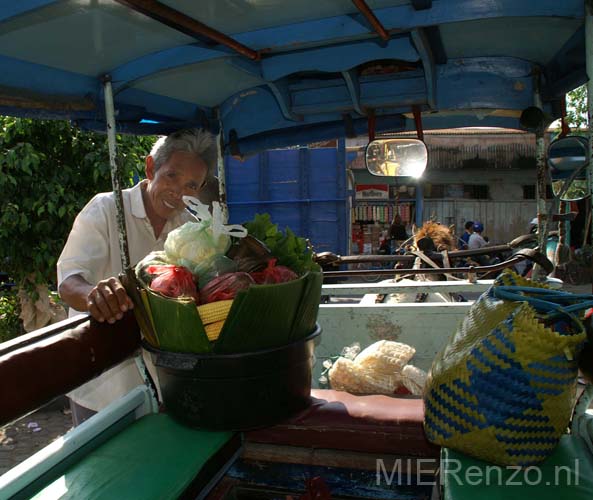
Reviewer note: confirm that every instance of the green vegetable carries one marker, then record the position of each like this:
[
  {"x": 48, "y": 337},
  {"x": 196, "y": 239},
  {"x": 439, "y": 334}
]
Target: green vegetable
[{"x": 290, "y": 250}]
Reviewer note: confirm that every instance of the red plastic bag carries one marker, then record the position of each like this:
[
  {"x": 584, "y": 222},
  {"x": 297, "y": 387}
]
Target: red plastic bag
[
  {"x": 173, "y": 281},
  {"x": 274, "y": 274},
  {"x": 225, "y": 287}
]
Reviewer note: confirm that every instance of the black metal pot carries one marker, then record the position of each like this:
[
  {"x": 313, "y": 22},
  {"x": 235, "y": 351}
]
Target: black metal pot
[{"x": 236, "y": 391}]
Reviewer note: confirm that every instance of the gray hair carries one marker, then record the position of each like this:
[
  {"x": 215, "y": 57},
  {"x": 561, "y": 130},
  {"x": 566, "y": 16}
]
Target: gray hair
[{"x": 197, "y": 141}]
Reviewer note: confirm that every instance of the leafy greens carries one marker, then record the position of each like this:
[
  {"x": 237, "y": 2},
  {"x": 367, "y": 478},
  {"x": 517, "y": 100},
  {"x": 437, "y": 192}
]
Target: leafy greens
[{"x": 290, "y": 250}]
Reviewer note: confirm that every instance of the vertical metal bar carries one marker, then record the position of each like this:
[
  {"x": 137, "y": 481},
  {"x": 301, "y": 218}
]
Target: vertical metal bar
[
  {"x": 419, "y": 203},
  {"x": 344, "y": 226},
  {"x": 540, "y": 187},
  {"x": 305, "y": 171},
  {"x": 264, "y": 179},
  {"x": 116, "y": 174},
  {"x": 222, "y": 174},
  {"x": 589, "y": 62}
]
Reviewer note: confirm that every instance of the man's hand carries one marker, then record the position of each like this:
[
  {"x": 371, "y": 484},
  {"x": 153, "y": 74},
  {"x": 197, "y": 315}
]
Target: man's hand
[{"x": 108, "y": 301}]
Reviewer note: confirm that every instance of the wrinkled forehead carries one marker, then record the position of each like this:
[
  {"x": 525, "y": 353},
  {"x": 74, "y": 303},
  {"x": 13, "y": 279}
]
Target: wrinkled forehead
[{"x": 186, "y": 164}]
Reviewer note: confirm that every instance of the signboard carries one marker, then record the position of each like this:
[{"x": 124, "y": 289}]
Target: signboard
[{"x": 372, "y": 192}]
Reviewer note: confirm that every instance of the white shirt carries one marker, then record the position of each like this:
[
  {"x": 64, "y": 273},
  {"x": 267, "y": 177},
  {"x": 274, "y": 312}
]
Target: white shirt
[
  {"x": 476, "y": 241},
  {"x": 92, "y": 251}
]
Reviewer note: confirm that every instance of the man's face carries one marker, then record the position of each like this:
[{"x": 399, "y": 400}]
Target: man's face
[{"x": 184, "y": 174}]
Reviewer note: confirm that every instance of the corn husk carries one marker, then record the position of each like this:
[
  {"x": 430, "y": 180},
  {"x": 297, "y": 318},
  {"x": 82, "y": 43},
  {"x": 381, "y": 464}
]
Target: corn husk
[
  {"x": 414, "y": 379},
  {"x": 385, "y": 356},
  {"x": 346, "y": 375}
]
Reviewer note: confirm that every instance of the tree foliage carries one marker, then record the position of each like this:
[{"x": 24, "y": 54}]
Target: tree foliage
[
  {"x": 10, "y": 323},
  {"x": 48, "y": 171},
  {"x": 576, "y": 109}
]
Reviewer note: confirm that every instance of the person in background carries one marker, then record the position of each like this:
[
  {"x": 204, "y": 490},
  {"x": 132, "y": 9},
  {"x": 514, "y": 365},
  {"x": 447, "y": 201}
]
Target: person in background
[
  {"x": 533, "y": 226},
  {"x": 397, "y": 231},
  {"x": 90, "y": 262},
  {"x": 476, "y": 240},
  {"x": 464, "y": 239}
]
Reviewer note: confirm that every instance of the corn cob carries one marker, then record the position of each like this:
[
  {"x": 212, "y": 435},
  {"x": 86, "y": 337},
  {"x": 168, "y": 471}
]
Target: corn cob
[
  {"x": 213, "y": 330},
  {"x": 214, "y": 311}
]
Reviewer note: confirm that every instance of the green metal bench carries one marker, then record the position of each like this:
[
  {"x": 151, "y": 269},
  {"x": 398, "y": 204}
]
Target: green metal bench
[
  {"x": 153, "y": 458},
  {"x": 125, "y": 451},
  {"x": 567, "y": 473}
]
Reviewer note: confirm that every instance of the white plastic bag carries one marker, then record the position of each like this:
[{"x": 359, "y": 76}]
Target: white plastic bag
[{"x": 200, "y": 246}]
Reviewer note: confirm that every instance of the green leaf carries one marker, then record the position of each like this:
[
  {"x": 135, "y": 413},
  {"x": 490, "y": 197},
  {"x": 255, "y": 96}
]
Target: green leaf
[
  {"x": 177, "y": 324},
  {"x": 287, "y": 248},
  {"x": 261, "y": 317}
]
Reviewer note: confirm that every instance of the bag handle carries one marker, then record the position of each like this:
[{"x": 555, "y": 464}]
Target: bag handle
[
  {"x": 551, "y": 300},
  {"x": 202, "y": 213},
  {"x": 550, "y": 307}
]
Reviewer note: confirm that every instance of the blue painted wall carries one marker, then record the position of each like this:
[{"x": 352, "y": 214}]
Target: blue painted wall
[{"x": 303, "y": 189}]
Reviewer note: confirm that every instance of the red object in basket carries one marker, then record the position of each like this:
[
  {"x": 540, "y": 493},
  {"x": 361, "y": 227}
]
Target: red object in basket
[
  {"x": 225, "y": 287},
  {"x": 173, "y": 281},
  {"x": 274, "y": 274}
]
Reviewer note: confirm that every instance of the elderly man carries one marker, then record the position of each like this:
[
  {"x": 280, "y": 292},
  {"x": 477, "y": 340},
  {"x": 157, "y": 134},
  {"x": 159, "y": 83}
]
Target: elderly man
[{"x": 90, "y": 262}]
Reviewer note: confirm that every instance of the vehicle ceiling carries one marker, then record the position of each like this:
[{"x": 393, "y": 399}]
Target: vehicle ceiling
[{"x": 317, "y": 70}]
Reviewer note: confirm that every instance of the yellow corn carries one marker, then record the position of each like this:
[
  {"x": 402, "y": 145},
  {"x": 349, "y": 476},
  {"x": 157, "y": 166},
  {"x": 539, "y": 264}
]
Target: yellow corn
[
  {"x": 214, "y": 311},
  {"x": 213, "y": 330}
]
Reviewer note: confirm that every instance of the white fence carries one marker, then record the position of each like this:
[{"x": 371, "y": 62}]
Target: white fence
[{"x": 503, "y": 220}]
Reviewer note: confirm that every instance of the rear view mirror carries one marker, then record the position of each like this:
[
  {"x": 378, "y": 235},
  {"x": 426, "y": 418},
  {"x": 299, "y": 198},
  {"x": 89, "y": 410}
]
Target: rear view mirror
[
  {"x": 396, "y": 157},
  {"x": 567, "y": 161}
]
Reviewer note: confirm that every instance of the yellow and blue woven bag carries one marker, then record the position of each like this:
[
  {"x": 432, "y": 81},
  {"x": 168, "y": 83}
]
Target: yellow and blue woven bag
[{"x": 504, "y": 387}]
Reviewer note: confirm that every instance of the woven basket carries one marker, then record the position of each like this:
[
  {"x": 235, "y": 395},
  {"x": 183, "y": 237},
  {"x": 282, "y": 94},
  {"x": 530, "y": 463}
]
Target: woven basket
[{"x": 504, "y": 387}]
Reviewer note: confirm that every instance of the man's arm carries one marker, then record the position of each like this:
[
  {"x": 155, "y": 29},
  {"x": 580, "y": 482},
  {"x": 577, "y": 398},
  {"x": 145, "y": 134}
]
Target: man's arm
[{"x": 105, "y": 302}]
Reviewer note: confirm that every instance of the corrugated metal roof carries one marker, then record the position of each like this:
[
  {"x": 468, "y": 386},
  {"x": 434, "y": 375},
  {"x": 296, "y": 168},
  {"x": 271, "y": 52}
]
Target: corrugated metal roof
[
  {"x": 472, "y": 148},
  {"x": 482, "y": 131},
  {"x": 498, "y": 151}
]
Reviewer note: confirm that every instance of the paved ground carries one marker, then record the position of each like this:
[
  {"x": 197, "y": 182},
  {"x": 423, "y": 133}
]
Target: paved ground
[
  {"x": 31, "y": 433},
  {"x": 23, "y": 438}
]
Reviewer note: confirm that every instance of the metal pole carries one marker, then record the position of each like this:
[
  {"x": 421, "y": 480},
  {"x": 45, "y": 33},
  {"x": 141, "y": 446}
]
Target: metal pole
[
  {"x": 540, "y": 190},
  {"x": 343, "y": 212},
  {"x": 589, "y": 62},
  {"x": 419, "y": 203},
  {"x": 222, "y": 174},
  {"x": 115, "y": 174}
]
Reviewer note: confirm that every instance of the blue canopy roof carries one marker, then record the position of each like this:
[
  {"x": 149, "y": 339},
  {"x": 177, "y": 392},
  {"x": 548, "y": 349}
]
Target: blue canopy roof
[{"x": 314, "y": 69}]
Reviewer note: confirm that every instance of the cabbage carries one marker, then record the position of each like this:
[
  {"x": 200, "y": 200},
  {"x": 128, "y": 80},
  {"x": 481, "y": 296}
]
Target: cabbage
[{"x": 201, "y": 246}]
